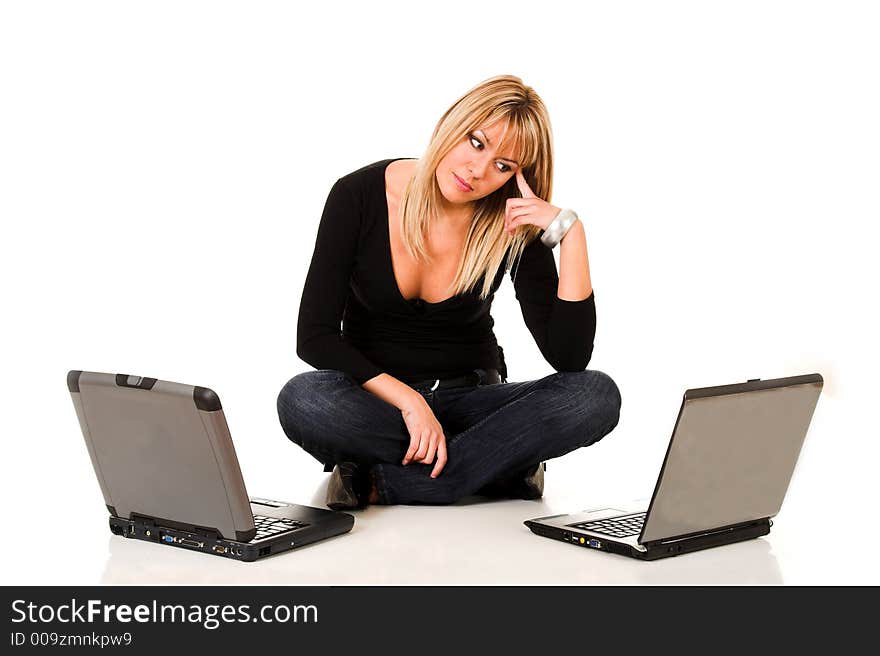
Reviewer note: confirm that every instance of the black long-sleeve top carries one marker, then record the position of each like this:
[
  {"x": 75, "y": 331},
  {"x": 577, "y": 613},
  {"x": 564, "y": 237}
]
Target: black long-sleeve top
[{"x": 354, "y": 319}]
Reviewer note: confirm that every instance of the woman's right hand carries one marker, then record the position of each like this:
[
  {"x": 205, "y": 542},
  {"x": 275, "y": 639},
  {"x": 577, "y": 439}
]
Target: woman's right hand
[{"x": 426, "y": 438}]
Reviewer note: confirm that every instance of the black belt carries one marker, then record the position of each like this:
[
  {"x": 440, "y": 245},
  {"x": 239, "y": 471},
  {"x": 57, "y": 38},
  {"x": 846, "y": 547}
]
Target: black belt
[{"x": 472, "y": 379}]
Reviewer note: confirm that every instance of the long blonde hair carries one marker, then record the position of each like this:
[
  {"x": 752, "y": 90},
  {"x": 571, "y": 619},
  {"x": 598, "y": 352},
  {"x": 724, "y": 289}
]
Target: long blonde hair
[{"x": 499, "y": 98}]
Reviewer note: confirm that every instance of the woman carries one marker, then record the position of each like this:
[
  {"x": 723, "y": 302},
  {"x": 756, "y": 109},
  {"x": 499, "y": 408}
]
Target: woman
[{"x": 410, "y": 401}]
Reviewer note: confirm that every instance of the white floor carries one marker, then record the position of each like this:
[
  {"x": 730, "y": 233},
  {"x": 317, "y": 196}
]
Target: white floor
[{"x": 473, "y": 542}]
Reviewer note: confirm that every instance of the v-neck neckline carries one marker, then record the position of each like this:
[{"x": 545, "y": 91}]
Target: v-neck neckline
[{"x": 412, "y": 303}]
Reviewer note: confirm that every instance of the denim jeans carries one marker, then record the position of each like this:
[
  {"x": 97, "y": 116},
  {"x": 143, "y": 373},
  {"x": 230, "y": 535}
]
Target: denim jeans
[{"x": 492, "y": 431}]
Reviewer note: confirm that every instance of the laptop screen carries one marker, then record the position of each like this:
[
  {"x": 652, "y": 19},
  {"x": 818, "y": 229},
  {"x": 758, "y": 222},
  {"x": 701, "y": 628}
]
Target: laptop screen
[
  {"x": 157, "y": 454},
  {"x": 731, "y": 457}
]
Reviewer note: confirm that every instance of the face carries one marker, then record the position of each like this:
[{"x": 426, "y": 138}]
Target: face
[{"x": 475, "y": 167}]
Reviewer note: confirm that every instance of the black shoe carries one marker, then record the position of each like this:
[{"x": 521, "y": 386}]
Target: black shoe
[
  {"x": 532, "y": 486},
  {"x": 528, "y": 484},
  {"x": 346, "y": 489}
]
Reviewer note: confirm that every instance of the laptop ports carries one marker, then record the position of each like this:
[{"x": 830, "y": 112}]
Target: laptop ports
[
  {"x": 219, "y": 549},
  {"x": 185, "y": 542}
]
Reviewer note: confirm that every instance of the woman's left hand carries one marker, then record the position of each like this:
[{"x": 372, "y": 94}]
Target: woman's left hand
[{"x": 527, "y": 210}]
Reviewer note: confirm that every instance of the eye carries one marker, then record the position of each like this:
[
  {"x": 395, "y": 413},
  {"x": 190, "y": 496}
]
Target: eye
[{"x": 478, "y": 145}]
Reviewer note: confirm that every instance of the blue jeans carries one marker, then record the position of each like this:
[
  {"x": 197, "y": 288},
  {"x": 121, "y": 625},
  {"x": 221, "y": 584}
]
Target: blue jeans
[{"x": 492, "y": 431}]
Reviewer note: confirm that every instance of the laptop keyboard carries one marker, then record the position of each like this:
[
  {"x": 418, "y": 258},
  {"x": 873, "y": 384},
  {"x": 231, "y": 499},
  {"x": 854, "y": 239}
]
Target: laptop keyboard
[
  {"x": 616, "y": 527},
  {"x": 269, "y": 526}
]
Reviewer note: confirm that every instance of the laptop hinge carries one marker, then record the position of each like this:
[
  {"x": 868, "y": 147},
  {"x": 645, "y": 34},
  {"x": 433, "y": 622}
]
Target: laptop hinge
[
  {"x": 149, "y": 522},
  {"x": 733, "y": 529}
]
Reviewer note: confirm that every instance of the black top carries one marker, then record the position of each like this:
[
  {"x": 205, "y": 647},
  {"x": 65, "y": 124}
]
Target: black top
[{"x": 351, "y": 281}]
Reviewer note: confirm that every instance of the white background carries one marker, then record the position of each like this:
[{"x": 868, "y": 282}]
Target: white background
[{"x": 163, "y": 167}]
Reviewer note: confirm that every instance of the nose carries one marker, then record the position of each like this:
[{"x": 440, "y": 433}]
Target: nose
[{"x": 478, "y": 166}]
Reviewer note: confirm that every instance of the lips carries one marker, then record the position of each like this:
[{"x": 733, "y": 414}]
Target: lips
[{"x": 462, "y": 185}]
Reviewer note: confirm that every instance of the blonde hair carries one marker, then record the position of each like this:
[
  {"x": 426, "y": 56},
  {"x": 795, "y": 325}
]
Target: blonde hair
[{"x": 500, "y": 98}]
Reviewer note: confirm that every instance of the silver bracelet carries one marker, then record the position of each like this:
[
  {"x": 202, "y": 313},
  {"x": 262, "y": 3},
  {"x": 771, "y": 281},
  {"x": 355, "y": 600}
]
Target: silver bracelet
[{"x": 557, "y": 229}]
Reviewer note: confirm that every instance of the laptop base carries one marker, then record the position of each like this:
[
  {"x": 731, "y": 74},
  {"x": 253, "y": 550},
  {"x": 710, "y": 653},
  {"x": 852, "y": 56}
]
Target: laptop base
[
  {"x": 324, "y": 524},
  {"x": 652, "y": 551}
]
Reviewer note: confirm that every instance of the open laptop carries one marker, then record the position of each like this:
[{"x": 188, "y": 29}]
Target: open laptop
[
  {"x": 728, "y": 466},
  {"x": 169, "y": 474}
]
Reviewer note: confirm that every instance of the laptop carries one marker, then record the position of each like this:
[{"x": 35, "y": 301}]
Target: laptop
[
  {"x": 166, "y": 465},
  {"x": 727, "y": 468}
]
